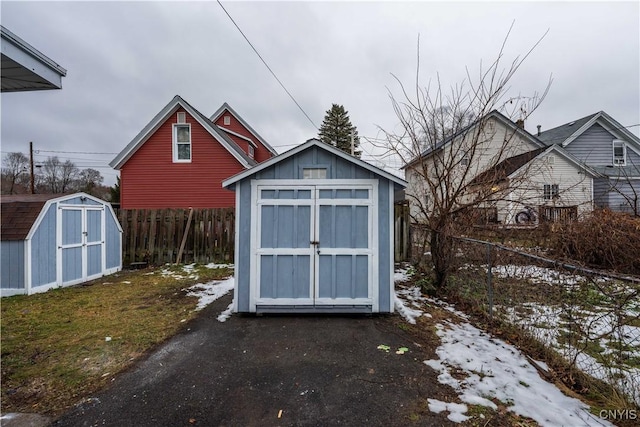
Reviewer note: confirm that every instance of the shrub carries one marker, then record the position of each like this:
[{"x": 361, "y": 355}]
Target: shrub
[{"x": 604, "y": 239}]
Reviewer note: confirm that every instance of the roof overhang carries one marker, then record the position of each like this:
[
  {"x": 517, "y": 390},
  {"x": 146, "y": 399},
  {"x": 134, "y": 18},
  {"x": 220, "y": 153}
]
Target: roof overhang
[
  {"x": 24, "y": 68},
  {"x": 230, "y": 182}
]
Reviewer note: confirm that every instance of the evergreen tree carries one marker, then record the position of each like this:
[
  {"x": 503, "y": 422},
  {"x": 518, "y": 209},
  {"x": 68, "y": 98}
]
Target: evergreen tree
[
  {"x": 115, "y": 191},
  {"x": 336, "y": 130}
]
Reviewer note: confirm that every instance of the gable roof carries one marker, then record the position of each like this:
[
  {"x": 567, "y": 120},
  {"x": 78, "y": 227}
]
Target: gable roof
[
  {"x": 506, "y": 167},
  {"x": 229, "y": 182},
  {"x": 493, "y": 114},
  {"x": 215, "y": 116},
  {"x": 568, "y": 157},
  {"x": 565, "y": 134},
  {"x": 162, "y": 116}
]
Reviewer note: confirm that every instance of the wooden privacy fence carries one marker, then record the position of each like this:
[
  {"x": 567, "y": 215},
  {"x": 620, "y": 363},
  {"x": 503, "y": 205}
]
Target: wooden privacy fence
[{"x": 156, "y": 236}]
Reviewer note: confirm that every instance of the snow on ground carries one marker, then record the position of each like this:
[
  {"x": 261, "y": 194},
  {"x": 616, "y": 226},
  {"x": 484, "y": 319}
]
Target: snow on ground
[
  {"x": 494, "y": 370},
  {"x": 226, "y": 314},
  {"x": 402, "y": 275},
  {"x": 498, "y": 370},
  {"x": 456, "y": 410},
  {"x": 598, "y": 324},
  {"x": 209, "y": 292},
  {"x": 186, "y": 271},
  {"x": 213, "y": 265},
  {"x": 548, "y": 325},
  {"x": 409, "y": 314},
  {"x": 412, "y": 295}
]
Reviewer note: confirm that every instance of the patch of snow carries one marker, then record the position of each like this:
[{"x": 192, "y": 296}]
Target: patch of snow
[
  {"x": 535, "y": 274},
  {"x": 213, "y": 265},
  {"x": 456, "y": 410},
  {"x": 222, "y": 317},
  {"x": 548, "y": 326},
  {"x": 498, "y": 370},
  {"x": 473, "y": 399},
  {"x": 401, "y": 275},
  {"x": 209, "y": 292},
  {"x": 409, "y": 314}
]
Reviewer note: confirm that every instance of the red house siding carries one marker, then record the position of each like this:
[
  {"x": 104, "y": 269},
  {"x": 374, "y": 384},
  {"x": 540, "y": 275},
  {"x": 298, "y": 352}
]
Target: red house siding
[
  {"x": 151, "y": 180},
  {"x": 261, "y": 152}
]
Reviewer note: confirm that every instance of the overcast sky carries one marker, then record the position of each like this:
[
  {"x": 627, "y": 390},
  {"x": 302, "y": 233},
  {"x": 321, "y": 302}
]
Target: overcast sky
[{"x": 126, "y": 60}]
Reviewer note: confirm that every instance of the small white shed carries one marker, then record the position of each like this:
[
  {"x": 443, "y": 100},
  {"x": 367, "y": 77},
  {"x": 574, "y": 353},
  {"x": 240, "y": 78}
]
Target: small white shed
[{"x": 53, "y": 240}]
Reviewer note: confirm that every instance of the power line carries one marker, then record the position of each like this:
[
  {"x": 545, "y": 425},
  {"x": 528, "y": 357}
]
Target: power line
[
  {"x": 266, "y": 65},
  {"x": 71, "y": 152}
]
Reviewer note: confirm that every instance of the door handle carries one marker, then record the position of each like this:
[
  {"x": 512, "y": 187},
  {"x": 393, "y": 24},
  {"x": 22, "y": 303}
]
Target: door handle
[{"x": 314, "y": 242}]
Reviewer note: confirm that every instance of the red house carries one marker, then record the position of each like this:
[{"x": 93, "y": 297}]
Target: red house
[{"x": 181, "y": 157}]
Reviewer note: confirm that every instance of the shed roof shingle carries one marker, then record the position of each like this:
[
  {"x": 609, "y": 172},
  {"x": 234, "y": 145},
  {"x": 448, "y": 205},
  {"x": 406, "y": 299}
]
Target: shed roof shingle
[{"x": 19, "y": 212}]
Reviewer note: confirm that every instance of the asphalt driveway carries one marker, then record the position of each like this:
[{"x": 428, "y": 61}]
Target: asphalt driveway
[{"x": 274, "y": 370}]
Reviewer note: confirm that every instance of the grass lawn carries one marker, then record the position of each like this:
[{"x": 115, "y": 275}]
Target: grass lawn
[{"x": 63, "y": 345}]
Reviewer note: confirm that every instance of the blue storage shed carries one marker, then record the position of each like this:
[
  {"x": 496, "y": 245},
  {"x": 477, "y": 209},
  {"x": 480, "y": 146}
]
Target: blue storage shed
[
  {"x": 53, "y": 240},
  {"x": 314, "y": 233}
]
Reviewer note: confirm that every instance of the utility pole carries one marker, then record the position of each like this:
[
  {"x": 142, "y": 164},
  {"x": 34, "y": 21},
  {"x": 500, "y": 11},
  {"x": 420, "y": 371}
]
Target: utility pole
[{"x": 33, "y": 190}]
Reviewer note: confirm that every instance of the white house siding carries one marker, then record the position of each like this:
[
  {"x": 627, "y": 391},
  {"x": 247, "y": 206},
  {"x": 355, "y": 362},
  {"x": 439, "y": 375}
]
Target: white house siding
[
  {"x": 488, "y": 154},
  {"x": 575, "y": 188}
]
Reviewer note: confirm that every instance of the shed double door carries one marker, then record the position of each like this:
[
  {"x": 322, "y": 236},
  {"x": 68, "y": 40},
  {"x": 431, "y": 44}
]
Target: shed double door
[
  {"x": 81, "y": 243},
  {"x": 315, "y": 245}
]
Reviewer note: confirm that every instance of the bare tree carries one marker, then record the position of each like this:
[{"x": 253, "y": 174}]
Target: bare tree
[
  {"x": 14, "y": 172},
  {"x": 456, "y": 152},
  {"x": 57, "y": 176},
  {"x": 88, "y": 180}
]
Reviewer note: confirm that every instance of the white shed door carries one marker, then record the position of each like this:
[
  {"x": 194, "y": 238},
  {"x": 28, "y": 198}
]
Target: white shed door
[
  {"x": 315, "y": 245},
  {"x": 81, "y": 244}
]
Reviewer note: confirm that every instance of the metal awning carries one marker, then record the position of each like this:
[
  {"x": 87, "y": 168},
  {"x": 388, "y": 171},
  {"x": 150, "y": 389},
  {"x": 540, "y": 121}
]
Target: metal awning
[{"x": 25, "y": 68}]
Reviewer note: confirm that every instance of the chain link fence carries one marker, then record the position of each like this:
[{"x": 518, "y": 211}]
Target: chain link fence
[{"x": 588, "y": 318}]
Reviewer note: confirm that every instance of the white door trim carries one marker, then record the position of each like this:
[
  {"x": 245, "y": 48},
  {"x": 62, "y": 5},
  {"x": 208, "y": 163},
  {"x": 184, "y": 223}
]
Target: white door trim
[{"x": 314, "y": 202}]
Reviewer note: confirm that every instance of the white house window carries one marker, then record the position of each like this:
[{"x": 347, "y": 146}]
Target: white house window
[
  {"x": 251, "y": 151},
  {"x": 227, "y": 120},
  {"x": 551, "y": 160},
  {"x": 551, "y": 191},
  {"x": 314, "y": 173},
  {"x": 182, "y": 117},
  {"x": 465, "y": 160},
  {"x": 181, "y": 143},
  {"x": 619, "y": 153}
]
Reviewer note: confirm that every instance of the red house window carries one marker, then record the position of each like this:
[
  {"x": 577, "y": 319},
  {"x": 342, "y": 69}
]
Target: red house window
[{"x": 181, "y": 143}]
